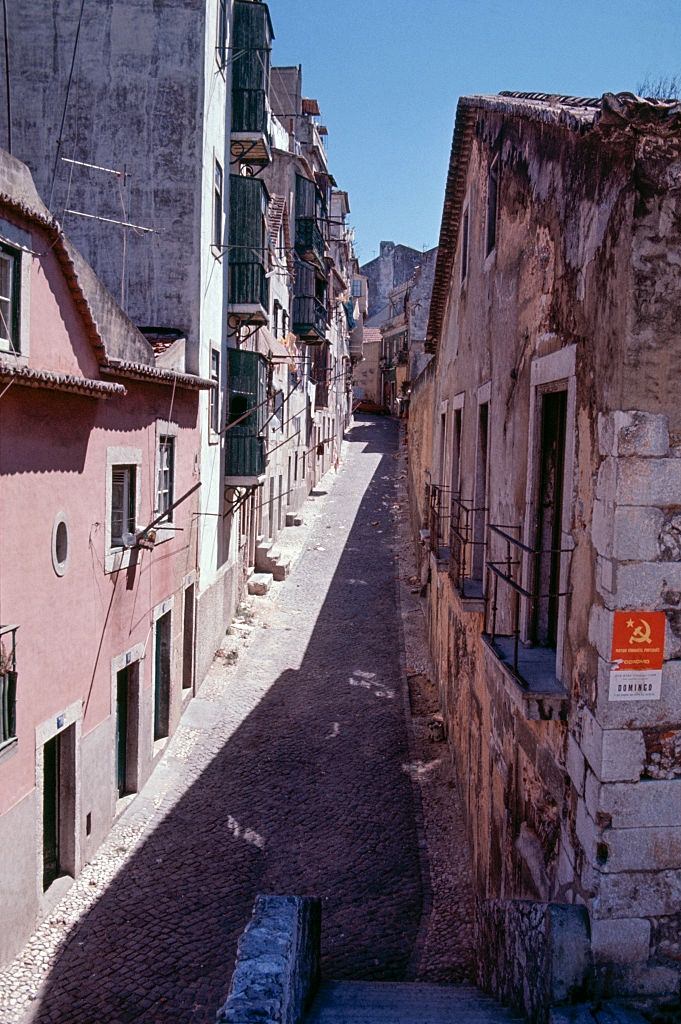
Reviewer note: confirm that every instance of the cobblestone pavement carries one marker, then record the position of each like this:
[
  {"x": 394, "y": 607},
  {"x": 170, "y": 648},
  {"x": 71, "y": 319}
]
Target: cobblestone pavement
[{"x": 292, "y": 771}]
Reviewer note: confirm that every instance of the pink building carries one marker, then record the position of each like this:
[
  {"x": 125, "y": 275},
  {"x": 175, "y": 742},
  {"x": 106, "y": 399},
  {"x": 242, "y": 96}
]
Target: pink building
[{"x": 98, "y": 555}]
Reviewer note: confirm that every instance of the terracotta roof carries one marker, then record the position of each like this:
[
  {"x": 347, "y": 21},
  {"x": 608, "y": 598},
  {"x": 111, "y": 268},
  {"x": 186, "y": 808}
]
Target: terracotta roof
[
  {"x": 311, "y": 107},
  {"x": 155, "y": 374},
  {"x": 25, "y": 376}
]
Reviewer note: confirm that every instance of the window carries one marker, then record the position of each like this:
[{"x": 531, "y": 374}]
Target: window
[
  {"x": 9, "y": 299},
  {"x": 221, "y": 43},
  {"x": 481, "y": 489},
  {"x": 279, "y": 408},
  {"x": 217, "y": 205},
  {"x": 215, "y": 392},
  {"x": 166, "y": 476},
  {"x": 464, "y": 246},
  {"x": 549, "y": 504},
  {"x": 492, "y": 204},
  {"x": 284, "y": 323},
  {"x": 275, "y": 316},
  {"x": 357, "y": 288},
  {"x": 123, "y": 504},
  {"x": 8, "y": 684}
]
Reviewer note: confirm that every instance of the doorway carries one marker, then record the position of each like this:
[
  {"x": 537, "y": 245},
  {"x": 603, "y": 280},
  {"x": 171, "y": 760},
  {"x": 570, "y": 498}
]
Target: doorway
[
  {"x": 162, "y": 677},
  {"x": 549, "y": 517},
  {"x": 127, "y": 712},
  {"x": 188, "y": 638},
  {"x": 59, "y": 800}
]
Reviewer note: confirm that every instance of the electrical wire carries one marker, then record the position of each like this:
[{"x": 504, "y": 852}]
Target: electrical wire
[{"x": 66, "y": 103}]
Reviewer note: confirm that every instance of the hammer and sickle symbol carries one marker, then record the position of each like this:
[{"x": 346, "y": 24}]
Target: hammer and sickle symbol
[{"x": 641, "y": 634}]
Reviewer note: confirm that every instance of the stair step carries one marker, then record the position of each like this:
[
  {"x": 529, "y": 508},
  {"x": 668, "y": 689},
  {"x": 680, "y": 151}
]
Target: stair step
[
  {"x": 260, "y": 583},
  {"x": 357, "y": 1002}
]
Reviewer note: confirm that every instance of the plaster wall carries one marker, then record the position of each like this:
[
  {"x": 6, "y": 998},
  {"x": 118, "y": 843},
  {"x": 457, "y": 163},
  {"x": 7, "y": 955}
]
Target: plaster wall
[{"x": 56, "y": 450}]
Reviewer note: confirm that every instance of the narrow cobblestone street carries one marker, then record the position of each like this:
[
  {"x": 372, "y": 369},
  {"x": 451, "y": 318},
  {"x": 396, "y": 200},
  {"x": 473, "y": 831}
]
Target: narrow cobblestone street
[{"x": 294, "y": 771}]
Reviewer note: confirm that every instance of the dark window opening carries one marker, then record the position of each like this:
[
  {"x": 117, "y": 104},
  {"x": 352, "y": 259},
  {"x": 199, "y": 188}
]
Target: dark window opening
[
  {"x": 544, "y": 629},
  {"x": 492, "y": 204},
  {"x": 464, "y": 246},
  {"x": 217, "y": 206},
  {"x": 162, "y": 677},
  {"x": 481, "y": 488},
  {"x": 215, "y": 392}
]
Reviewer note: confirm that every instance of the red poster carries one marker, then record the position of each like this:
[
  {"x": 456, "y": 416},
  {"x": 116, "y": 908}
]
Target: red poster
[{"x": 637, "y": 655}]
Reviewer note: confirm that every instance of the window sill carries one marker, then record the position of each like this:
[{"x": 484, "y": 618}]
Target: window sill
[
  {"x": 8, "y": 749},
  {"x": 120, "y": 558},
  {"x": 470, "y": 595},
  {"x": 13, "y": 358},
  {"x": 540, "y": 696}
]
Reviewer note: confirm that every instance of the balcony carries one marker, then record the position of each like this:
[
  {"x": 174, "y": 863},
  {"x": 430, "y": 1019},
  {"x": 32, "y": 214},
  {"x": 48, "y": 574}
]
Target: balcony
[
  {"x": 466, "y": 547},
  {"x": 310, "y": 320},
  {"x": 252, "y": 41},
  {"x": 8, "y": 686},
  {"x": 522, "y": 615},
  {"x": 245, "y": 457},
  {"x": 248, "y": 293},
  {"x": 310, "y": 242},
  {"x": 248, "y": 284},
  {"x": 250, "y": 139}
]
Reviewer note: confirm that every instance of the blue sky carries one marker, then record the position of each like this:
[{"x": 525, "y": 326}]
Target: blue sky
[{"x": 387, "y": 74}]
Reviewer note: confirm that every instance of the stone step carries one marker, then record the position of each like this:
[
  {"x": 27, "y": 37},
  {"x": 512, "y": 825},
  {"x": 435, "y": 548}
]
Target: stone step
[
  {"x": 260, "y": 583},
  {"x": 268, "y": 559},
  {"x": 358, "y": 1002}
]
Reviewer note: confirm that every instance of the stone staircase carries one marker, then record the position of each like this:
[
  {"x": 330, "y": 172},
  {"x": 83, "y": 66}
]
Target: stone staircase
[
  {"x": 362, "y": 1002},
  {"x": 268, "y": 560}
]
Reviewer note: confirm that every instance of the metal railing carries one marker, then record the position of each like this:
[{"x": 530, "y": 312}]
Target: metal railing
[
  {"x": 529, "y": 622},
  {"x": 248, "y": 285},
  {"x": 309, "y": 239},
  {"x": 309, "y": 315},
  {"x": 439, "y": 513},
  {"x": 8, "y": 683},
  {"x": 466, "y": 546},
  {"x": 244, "y": 453},
  {"x": 249, "y": 111}
]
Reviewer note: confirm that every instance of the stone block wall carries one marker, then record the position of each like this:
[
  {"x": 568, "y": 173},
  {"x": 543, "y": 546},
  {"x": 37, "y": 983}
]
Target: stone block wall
[
  {"x": 624, "y": 756},
  {"x": 277, "y": 965},
  {"x": 533, "y": 956}
]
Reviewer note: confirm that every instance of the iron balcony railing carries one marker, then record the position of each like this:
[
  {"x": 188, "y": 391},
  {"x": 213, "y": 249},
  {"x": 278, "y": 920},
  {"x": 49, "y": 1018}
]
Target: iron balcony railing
[
  {"x": 309, "y": 316},
  {"x": 466, "y": 546},
  {"x": 245, "y": 453},
  {"x": 248, "y": 285},
  {"x": 249, "y": 111},
  {"x": 439, "y": 503},
  {"x": 8, "y": 683},
  {"x": 309, "y": 240},
  {"x": 523, "y": 631}
]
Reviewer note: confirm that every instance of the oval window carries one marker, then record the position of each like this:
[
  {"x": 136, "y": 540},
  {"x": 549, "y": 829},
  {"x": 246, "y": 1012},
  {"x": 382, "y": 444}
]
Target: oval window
[{"x": 60, "y": 544}]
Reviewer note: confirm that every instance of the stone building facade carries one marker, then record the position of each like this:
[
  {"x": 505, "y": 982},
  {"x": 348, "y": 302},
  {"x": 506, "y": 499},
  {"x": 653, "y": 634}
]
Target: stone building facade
[{"x": 545, "y": 479}]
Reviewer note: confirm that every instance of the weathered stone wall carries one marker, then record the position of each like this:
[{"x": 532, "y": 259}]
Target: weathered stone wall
[
  {"x": 535, "y": 956},
  {"x": 277, "y": 963},
  {"x": 393, "y": 266},
  {"x": 420, "y": 442},
  {"x": 570, "y": 796}
]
